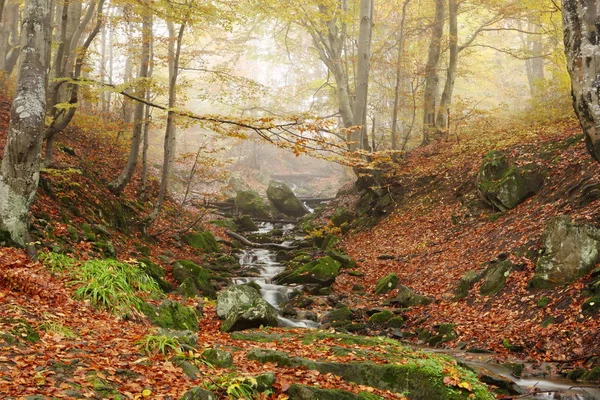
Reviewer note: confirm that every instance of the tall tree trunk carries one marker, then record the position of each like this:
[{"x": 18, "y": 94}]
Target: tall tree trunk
[
  {"x": 147, "y": 117},
  {"x": 359, "y": 138},
  {"x": 441, "y": 121},
  {"x": 582, "y": 46},
  {"x": 169, "y": 148},
  {"x": 9, "y": 38},
  {"x": 431, "y": 77},
  {"x": 123, "y": 180},
  {"x": 2, "y": 3},
  {"x": 534, "y": 65},
  {"x": 398, "y": 77},
  {"x": 20, "y": 170}
]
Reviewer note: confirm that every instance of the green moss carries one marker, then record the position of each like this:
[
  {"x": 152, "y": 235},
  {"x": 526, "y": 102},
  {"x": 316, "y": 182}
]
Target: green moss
[
  {"x": 395, "y": 322},
  {"x": 381, "y": 317},
  {"x": 322, "y": 271},
  {"x": 543, "y": 301},
  {"x": 204, "y": 241},
  {"x": 218, "y": 357},
  {"x": 172, "y": 315},
  {"x": 386, "y": 284},
  {"x": 249, "y": 202},
  {"x": 21, "y": 329},
  {"x": 465, "y": 284}
]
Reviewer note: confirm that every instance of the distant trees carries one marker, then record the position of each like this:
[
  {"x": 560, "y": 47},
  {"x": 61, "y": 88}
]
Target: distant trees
[
  {"x": 581, "y": 20},
  {"x": 20, "y": 171}
]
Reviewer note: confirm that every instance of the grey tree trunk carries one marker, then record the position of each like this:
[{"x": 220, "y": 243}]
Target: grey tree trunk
[
  {"x": 20, "y": 170},
  {"x": 582, "y": 45},
  {"x": 398, "y": 77},
  {"x": 147, "y": 117},
  {"x": 123, "y": 180},
  {"x": 535, "y": 64},
  {"x": 441, "y": 121},
  {"x": 170, "y": 131},
  {"x": 431, "y": 77},
  {"x": 359, "y": 138}
]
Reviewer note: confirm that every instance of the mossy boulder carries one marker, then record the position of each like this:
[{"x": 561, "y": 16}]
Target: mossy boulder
[
  {"x": 199, "y": 393},
  {"x": 494, "y": 277},
  {"x": 381, "y": 317},
  {"x": 386, "y": 284},
  {"x": 503, "y": 185},
  {"x": 235, "y": 296},
  {"x": 322, "y": 272},
  {"x": 407, "y": 298},
  {"x": 395, "y": 322},
  {"x": 344, "y": 259},
  {"x": 571, "y": 251},
  {"x": 155, "y": 272},
  {"x": 467, "y": 281},
  {"x": 284, "y": 199},
  {"x": 247, "y": 316},
  {"x": 304, "y": 392},
  {"x": 249, "y": 202},
  {"x": 246, "y": 224},
  {"x": 422, "y": 377},
  {"x": 185, "y": 271},
  {"x": 591, "y": 306},
  {"x": 218, "y": 357},
  {"x": 204, "y": 241},
  {"x": 188, "y": 340},
  {"x": 342, "y": 216},
  {"x": 171, "y": 315},
  {"x": 340, "y": 314}
]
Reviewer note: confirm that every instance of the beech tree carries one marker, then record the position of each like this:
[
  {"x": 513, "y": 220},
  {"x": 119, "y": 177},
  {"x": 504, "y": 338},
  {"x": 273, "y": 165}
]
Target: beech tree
[
  {"x": 581, "y": 20},
  {"x": 20, "y": 171}
]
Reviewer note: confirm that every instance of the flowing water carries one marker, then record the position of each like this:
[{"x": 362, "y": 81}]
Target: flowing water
[{"x": 264, "y": 261}]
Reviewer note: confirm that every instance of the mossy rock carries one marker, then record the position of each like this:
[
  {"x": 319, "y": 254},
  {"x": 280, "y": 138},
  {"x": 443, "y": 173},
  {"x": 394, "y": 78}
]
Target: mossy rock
[
  {"x": 396, "y": 322},
  {"x": 235, "y": 296},
  {"x": 591, "y": 306},
  {"x": 467, "y": 281},
  {"x": 156, "y": 272},
  {"x": 218, "y": 357},
  {"x": 199, "y": 393},
  {"x": 187, "y": 339},
  {"x": 225, "y": 223},
  {"x": 344, "y": 259},
  {"x": 284, "y": 199},
  {"x": 184, "y": 270},
  {"x": 340, "y": 314},
  {"x": 386, "y": 284},
  {"x": 204, "y": 241},
  {"x": 495, "y": 278},
  {"x": 21, "y": 329},
  {"x": 381, "y": 317},
  {"x": 422, "y": 377},
  {"x": 408, "y": 298},
  {"x": 171, "y": 315},
  {"x": 304, "y": 392},
  {"x": 322, "y": 271},
  {"x": 247, "y": 316},
  {"x": 342, "y": 216},
  {"x": 246, "y": 224},
  {"x": 249, "y": 202}
]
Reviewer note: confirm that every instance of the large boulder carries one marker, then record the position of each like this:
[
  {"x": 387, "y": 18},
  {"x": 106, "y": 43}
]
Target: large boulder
[
  {"x": 247, "y": 316},
  {"x": 171, "y": 315},
  {"x": 407, "y": 298},
  {"x": 249, "y": 202},
  {"x": 504, "y": 185},
  {"x": 572, "y": 251},
  {"x": 204, "y": 241},
  {"x": 284, "y": 199},
  {"x": 193, "y": 279},
  {"x": 322, "y": 272},
  {"x": 235, "y": 296},
  {"x": 495, "y": 277}
]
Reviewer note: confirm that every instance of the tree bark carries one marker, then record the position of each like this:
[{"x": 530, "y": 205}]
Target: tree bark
[
  {"x": 124, "y": 178},
  {"x": 359, "y": 137},
  {"x": 582, "y": 41},
  {"x": 441, "y": 121},
  {"x": 398, "y": 77},
  {"x": 169, "y": 147},
  {"x": 20, "y": 170},
  {"x": 431, "y": 77}
]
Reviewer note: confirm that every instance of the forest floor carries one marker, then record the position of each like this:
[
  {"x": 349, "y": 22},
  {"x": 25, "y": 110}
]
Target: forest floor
[{"x": 436, "y": 233}]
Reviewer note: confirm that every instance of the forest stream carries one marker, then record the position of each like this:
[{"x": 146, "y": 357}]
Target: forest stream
[{"x": 546, "y": 387}]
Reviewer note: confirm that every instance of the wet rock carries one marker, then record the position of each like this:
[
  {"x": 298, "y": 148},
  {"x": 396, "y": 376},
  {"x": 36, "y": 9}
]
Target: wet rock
[
  {"x": 185, "y": 271},
  {"x": 235, "y": 296},
  {"x": 572, "y": 250},
  {"x": 249, "y": 202},
  {"x": 204, "y": 241},
  {"x": 322, "y": 271},
  {"x": 284, "y": 199},
  {"x": 504, "y": 185},
  {"x": 386, "y": 284},
  {"x": 246, "y": 316}
]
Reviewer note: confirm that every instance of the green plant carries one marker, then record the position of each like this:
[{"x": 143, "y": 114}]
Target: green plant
[
  {"x": 153, "y": 344},
  {"x": 236, "y": 387},
  {"x": 56, "y": 328},
  {"x": 57, "y": 262},
  {"x": 113, "y": 285}
]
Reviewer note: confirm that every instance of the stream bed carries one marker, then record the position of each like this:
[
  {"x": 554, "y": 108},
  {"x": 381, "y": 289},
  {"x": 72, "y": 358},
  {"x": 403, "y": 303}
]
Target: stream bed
[{"x": 264, "y": 261}]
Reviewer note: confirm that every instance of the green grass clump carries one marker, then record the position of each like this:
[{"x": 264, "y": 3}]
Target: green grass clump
[
  {"x": 57, "y": 262},
  {"x": 56, "y": 328},
  {"x": 153, "y": 344},
  {"x": 112, "y": 285}
]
